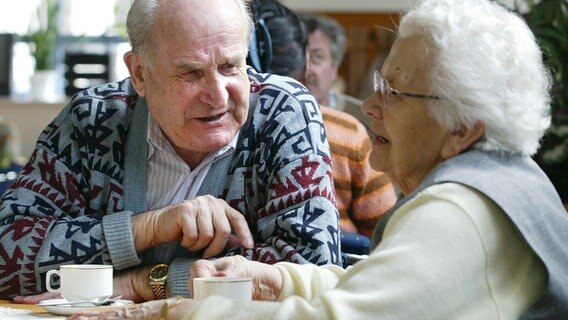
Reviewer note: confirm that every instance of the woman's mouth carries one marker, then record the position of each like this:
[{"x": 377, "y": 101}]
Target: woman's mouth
[
  {"x": 378, "y": 139},
  {"x": 381, "y": 140}
]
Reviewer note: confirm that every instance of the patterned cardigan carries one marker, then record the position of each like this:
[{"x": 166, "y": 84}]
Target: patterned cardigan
[{"x": 73, "y": 201}]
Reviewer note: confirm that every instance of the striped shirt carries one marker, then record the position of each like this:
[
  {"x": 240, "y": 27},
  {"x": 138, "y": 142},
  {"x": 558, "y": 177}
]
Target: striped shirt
[{"x": 170, "y": 179}]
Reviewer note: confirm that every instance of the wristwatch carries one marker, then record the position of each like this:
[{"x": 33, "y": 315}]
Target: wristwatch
[{"x": 158, "y": 276}]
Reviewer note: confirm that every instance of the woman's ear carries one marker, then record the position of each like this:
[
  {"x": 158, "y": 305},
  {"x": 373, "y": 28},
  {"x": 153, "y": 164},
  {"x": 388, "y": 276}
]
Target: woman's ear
[
  {"x": 461, "y": 139},
  {"x": 134, "y": 64}
]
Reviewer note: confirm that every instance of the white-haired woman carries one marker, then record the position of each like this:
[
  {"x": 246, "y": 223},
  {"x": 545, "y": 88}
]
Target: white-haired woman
[{"x": 458, "y": 109}]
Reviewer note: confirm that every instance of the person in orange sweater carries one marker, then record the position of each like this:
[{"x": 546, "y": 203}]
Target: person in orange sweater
[{"x": 362, "y": 194}]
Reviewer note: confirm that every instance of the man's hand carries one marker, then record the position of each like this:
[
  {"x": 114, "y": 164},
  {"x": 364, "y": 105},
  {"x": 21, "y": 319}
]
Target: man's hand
[
  {"x": 266, "y": 279},
  {"x": 204, "y": 222}
]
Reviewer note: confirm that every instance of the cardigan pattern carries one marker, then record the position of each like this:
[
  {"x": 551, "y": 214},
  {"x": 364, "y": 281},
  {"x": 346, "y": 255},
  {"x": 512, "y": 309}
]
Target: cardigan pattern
[{"x": 280, "y": 179}]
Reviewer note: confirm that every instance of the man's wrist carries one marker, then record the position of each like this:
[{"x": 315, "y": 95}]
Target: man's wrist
[
  {"x": 142, "y": 231},
  {"x": 157, "y": 279}
]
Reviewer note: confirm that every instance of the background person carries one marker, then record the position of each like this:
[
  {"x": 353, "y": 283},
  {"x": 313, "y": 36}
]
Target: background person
[
  {"x": 326, "y": 48},
  {"x": 162, "y": 167},
  {"x": 481, "y": 232}
]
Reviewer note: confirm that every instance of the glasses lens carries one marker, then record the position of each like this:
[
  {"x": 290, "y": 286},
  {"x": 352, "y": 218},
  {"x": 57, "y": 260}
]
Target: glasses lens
[
  {"x": 376, "y": 81},
  {"x": 380, "y": 86}
]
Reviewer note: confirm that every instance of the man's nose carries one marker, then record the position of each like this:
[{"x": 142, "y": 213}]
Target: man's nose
[{"x": 215, "y": 92}]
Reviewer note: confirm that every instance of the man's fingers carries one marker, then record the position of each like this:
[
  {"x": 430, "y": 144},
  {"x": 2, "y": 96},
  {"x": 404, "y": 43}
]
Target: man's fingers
[
  {"x": 190, "y": 231},
  {"x": 240, "y": 226},
  {"x": 221, "y": 236},
  {"x": 205, "y": 229},
  {"x": 207, "y": 222}
]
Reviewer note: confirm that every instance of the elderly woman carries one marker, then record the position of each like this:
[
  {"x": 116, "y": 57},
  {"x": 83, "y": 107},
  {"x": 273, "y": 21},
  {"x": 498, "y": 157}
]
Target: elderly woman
[{"x": 460, "y": 106}]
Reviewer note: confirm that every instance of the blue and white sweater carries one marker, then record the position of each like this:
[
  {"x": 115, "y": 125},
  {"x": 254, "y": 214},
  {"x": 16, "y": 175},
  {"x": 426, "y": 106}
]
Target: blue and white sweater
[{"x": 87, "y": 176}]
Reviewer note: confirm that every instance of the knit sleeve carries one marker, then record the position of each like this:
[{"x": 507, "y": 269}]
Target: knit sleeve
[{"x": 53, "y": 212}]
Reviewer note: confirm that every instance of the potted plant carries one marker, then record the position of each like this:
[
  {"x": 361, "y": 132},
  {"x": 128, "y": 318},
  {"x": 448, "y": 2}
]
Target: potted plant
[
  {"x": 45, "y": 80},
  {"x": 548, "y": 19}
]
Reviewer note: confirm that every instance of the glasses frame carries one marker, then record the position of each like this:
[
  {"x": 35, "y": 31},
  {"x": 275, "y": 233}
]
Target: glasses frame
[{"x": 387, "y": 92}]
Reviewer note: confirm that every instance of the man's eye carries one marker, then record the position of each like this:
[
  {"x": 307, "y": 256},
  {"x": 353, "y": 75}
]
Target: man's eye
[
  {"x": 229, "y": 69},
  {"x": 316, "y": 59},
  {"x": 189, "y": 76}
]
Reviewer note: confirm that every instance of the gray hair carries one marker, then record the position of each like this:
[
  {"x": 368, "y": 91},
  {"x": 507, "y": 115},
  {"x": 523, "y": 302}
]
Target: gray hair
[
  {"x": 488, "y": 67},
  {"x": 142, "y": 16},
  {"x": 332, "y": 29}
]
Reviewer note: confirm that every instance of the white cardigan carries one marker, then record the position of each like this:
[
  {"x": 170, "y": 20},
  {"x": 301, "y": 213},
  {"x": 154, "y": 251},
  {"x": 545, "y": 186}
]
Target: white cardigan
[{"x": 449, "y": 253}]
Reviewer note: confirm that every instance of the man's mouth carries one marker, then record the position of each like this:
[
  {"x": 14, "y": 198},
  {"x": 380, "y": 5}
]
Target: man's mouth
[{"x": 212, "y": 118}]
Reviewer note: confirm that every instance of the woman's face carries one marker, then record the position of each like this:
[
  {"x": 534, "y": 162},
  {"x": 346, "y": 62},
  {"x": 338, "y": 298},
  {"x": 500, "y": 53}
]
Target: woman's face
[{"x": 407, "y": 141}]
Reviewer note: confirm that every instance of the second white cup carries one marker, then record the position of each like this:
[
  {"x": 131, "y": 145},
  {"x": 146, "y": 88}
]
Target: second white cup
[
  {"x": 83, "y": 282},
  {"x": 229, "y": 287}
]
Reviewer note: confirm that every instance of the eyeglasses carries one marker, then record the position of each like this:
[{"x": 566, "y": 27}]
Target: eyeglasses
[{"x": 387, "y": 92}]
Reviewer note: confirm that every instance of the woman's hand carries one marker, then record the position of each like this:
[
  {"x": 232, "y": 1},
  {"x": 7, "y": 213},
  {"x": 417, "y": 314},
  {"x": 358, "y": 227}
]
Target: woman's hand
[
  {"x": 171, "y": 309},
  {"x": 266, "y": 279}
]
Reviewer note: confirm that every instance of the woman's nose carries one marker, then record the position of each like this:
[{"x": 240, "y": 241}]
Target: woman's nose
[{"x": 372, "y": 106}]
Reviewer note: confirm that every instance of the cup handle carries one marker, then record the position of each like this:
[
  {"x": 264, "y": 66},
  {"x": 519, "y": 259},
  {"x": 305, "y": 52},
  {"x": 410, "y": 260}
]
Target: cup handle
[{"x": 48, "y": 280}]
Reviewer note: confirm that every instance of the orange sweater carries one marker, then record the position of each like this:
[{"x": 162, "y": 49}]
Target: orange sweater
[{"x": 362, "y": 193}]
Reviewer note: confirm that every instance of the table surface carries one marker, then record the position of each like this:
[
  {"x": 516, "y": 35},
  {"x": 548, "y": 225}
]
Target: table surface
[
  {"x": 30, "y": 307},
  {"x": 34, "y": 311}
]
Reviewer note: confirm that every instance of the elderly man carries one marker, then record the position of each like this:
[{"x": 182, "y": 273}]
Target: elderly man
[{"x": 161, "y": 168}]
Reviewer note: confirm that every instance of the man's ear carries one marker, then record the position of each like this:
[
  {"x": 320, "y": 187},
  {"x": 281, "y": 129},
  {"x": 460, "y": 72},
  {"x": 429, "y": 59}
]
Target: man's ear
[
  {"x": 461, "y": 139},
  {"x": 134, "y": 64}
]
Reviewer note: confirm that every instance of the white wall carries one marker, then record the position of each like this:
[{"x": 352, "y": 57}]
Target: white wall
[
  {"x": 358, "y": 5},
  {"x": 349, "y": 6}
]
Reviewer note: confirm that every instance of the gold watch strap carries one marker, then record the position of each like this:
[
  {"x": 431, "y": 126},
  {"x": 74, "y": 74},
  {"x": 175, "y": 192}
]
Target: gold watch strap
[{"x": 159, "y": 290}]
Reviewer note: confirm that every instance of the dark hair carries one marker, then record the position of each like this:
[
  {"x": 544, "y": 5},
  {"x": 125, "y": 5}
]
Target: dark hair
[{"x": 279, "y": 40}]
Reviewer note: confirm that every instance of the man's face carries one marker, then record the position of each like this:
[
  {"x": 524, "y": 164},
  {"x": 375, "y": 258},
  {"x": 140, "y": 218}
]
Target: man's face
[
  {"x": 197, "y": 88},
  {"x": 321, "y": 71}
]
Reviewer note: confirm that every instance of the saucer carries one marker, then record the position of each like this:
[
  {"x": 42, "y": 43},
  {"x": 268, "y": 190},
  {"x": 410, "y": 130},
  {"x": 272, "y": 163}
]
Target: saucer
[{"x": 67, "y": 310}]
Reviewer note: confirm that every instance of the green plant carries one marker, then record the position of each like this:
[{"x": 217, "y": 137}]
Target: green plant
[
  {"x": 548, "y": 20},
  {"x": 44, "y": 37}
]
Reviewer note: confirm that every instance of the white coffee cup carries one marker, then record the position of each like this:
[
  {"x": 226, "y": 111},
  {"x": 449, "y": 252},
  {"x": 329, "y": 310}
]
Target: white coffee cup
[
  {"x": 229, "y": 287},
  {"x": 82, "y": 282}
]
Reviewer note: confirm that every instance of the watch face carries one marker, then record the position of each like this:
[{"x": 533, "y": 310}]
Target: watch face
[{"x": 159, "y": 272}]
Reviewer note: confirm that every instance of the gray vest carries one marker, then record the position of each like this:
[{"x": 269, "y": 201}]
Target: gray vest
[{"x": 522, "y": 190}]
